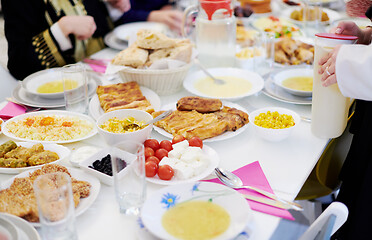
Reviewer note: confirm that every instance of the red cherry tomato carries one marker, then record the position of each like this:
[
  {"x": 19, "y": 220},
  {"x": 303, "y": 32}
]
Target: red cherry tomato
[
  {"x": 165, "y": 172},
  {"x": 196, "y": 142},
  {"x": 153, "y": 159},
  {"x": 152, "y": 143},
  {"x": 149, "y": 152},
  {"x": 178, "y": 138},
  {"x": 151, "y": 168},
  {"x": 160, "y": 153},
  {"x": 167, "y": 145}
]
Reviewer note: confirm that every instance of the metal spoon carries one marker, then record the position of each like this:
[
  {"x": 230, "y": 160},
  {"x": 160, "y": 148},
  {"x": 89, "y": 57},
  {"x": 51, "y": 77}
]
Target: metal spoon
[
  {"x": 158, "y": 118},
  {"x": 233, "y": 181},
  {"x": 216, "y": 80}
]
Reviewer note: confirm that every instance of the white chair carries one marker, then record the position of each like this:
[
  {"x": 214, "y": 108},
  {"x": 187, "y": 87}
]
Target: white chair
[{"x": 327, "y": 223}]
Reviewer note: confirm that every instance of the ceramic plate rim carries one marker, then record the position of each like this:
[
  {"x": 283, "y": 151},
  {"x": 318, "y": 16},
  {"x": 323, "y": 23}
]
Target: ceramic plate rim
[
  {"x": 155, "y": 227},
  {"x": 109, "y": 39},
  {"x": 214, "y": 161},
  {"x": 271, "y": 88},
  {"x": 332, "y": 15},
  {"x": 224, "y": 136},
  {"x": 95, "y": 109},
  {"x": 63, "y": 151},
  {"x": 10, "y": 229},
  {"x": 51, "y": 112},
  {"x": 84, "y": 204},
  {"x": 22, "y": 224},
  {"x": 135, "y": 26},
  {"x": 257, "y": 83},
  {"x": 278, "y": 80},
  {"x": 50, "y": 103}
]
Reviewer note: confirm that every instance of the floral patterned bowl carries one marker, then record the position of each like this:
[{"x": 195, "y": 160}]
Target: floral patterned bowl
[{"x": 159, "y": 202}]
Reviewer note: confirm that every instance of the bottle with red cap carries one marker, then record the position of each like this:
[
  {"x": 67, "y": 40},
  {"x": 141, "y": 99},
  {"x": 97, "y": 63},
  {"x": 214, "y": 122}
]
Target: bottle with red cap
[
  {"x": 215, "y": 32},
  {"x": 330, "y": 108}
]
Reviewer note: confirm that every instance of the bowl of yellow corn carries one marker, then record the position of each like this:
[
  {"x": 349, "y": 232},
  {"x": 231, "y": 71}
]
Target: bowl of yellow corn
[{"x": 274, "y": 123}]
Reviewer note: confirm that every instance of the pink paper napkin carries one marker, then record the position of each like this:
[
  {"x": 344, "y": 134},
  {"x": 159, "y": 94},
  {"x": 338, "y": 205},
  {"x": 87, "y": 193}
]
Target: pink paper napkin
[
  {"x": 11, "y": 110},
  {"x": 253, "y": 175},
  {"x": 98, "y": 68}
]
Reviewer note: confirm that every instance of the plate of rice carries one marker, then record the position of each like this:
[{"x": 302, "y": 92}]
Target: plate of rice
[{"x": 50, "y": 127}]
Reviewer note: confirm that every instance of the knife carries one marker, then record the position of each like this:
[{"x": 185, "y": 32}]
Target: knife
[{"x": 268, "y": 201}]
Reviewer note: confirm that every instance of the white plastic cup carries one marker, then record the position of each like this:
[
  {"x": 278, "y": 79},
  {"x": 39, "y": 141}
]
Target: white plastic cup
[
  {"x": 128, "y": 170},
  {"x": 75, "y": 88},
  {"x": 56, "y": 206}
]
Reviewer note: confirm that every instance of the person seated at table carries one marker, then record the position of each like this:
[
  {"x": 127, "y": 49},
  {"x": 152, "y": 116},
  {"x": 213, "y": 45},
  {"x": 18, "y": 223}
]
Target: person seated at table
[
  {"x": 44, "y": 33},
  {"x": 154, "y": 11},
  {"x": 350, "y": 67}
]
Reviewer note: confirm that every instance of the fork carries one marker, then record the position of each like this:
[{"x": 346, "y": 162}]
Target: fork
[{"x": 27, "y": 108}]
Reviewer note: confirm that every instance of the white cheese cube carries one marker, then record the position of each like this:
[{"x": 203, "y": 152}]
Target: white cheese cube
[
  {"x": 191, "y": 154},
  {"x": 184, "y": 144},
  {"x": 168, "y": 161},
  {"x": 198, "y": 166},
  {"x": 183, "y": 171},
  {"x": 176, "y": 152}
]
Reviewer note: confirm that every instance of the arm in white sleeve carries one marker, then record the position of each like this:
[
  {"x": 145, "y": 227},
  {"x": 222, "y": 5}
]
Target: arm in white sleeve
[
  {"x": 354, "y": 71},
  {"x": 63, "y": 41}
]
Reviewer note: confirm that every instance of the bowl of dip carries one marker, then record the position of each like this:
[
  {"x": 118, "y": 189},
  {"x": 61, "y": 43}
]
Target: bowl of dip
[
  {"x": 46, "y": 84},
  {"x": 297, "y": 81},
  {"x": 239, "y": 83}
]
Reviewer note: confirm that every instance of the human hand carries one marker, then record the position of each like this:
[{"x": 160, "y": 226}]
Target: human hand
[
  {"x": 350, "y": 28},
  {"x": 82, "y": 27},
  {"x": 122, "y": 5},
  {"x": 327, "y": 67},
  {"x": 172, "y": 18}
]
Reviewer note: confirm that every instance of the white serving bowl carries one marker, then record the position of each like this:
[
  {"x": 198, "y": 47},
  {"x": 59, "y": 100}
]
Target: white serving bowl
[
  {"x": 104, "y": 178},
  {"x": 162, "y": 81},
  {"x": 271, "y": 134},
  {"x": 138, "y": 136},
  {"x": 296, "y": 72}
]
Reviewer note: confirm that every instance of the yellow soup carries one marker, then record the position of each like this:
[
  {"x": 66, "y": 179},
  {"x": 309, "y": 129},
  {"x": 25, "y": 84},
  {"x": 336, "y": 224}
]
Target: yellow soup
[
  {"x": 233, "y": 87},
  {"x": 301, "y": 83},
  {"x": 196, "y": 220},
  {"x": 56, "y": 86}
]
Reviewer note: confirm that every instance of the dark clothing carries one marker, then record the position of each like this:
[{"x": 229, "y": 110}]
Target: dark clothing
[
  {"x": 140, "y": 10},
  {"x": 356, "y": 174},
  {"x": 32, "y": 47}
]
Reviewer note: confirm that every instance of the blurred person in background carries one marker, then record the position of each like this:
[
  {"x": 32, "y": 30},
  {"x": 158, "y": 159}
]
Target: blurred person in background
[
  {"x": 154, "y": 11},
  {"x": 350, "y": 66},
  {"x": 51, "y": 33}
]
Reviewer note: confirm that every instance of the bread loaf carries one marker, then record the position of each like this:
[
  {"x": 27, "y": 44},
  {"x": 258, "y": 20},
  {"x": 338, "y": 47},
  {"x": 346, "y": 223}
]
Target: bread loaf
[
  {"x": 133, "y": 56},
  {"x": 149, "y": 39}
]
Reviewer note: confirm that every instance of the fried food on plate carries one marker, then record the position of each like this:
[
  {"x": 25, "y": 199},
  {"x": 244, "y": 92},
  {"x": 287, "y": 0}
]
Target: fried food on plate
[{"x": 202, "y": 105}]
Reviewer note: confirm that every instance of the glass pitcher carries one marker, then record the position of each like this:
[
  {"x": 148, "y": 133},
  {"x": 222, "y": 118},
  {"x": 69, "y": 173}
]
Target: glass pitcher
[{"x": 215, "y": 34}]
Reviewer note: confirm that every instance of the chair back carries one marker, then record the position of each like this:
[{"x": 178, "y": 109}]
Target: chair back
[{"x": 327, "y": 223}]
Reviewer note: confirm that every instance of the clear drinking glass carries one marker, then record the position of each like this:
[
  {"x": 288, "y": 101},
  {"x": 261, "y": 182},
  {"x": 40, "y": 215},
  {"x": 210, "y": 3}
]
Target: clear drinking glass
[
  {"x": 128, "y": 168},
  {"x": 75, "y": 88},
  {"x": 56, "y": 206}
]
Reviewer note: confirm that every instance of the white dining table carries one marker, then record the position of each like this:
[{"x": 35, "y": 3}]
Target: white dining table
[{"x": 286, "y": 165}]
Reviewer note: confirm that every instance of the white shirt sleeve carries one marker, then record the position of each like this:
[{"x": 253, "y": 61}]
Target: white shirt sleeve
[
  {"x": 354, "y": 71},
  {"x": 114, "y": 13},
  {"x": 63, "y": 41}
]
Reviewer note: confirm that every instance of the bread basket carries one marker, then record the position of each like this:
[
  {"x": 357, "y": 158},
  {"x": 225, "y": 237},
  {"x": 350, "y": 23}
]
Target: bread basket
[{"x": 162, "y": 81}]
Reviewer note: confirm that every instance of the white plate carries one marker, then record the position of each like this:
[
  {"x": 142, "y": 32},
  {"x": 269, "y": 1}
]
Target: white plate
[
  {"x": 22, "y": 96},
  {"x": 214, "y": 160},
  {"x": 360, "y": 22},
  {"x": 224, "y": 136},
  {"x": 251, "y": 77},
  {"x": 266, "y": 23},
  {"x": 95, "y": 109},
  {"x": 332, "y": 15},
  {"x": 158, "y": 203},
  {"x": 125, "y": 31},
  {"x": 51, "y": 113},
  {"x": 7, "y": 229},
  {"x": 298, "y": 72},
  {"x": 85, "y": 203},
  {"x": 63, "y": 153},
  {"x": 113, "y": 42},
  {"x": 25, "y": 230},
  {"x": 274, "y": 91}
]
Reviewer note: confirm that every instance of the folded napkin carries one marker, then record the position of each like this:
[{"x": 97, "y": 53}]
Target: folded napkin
[
  {"x": 98, "y": 65},
  {"x": 253, "y": 175},
  {"x": 11, "y": 110}
]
